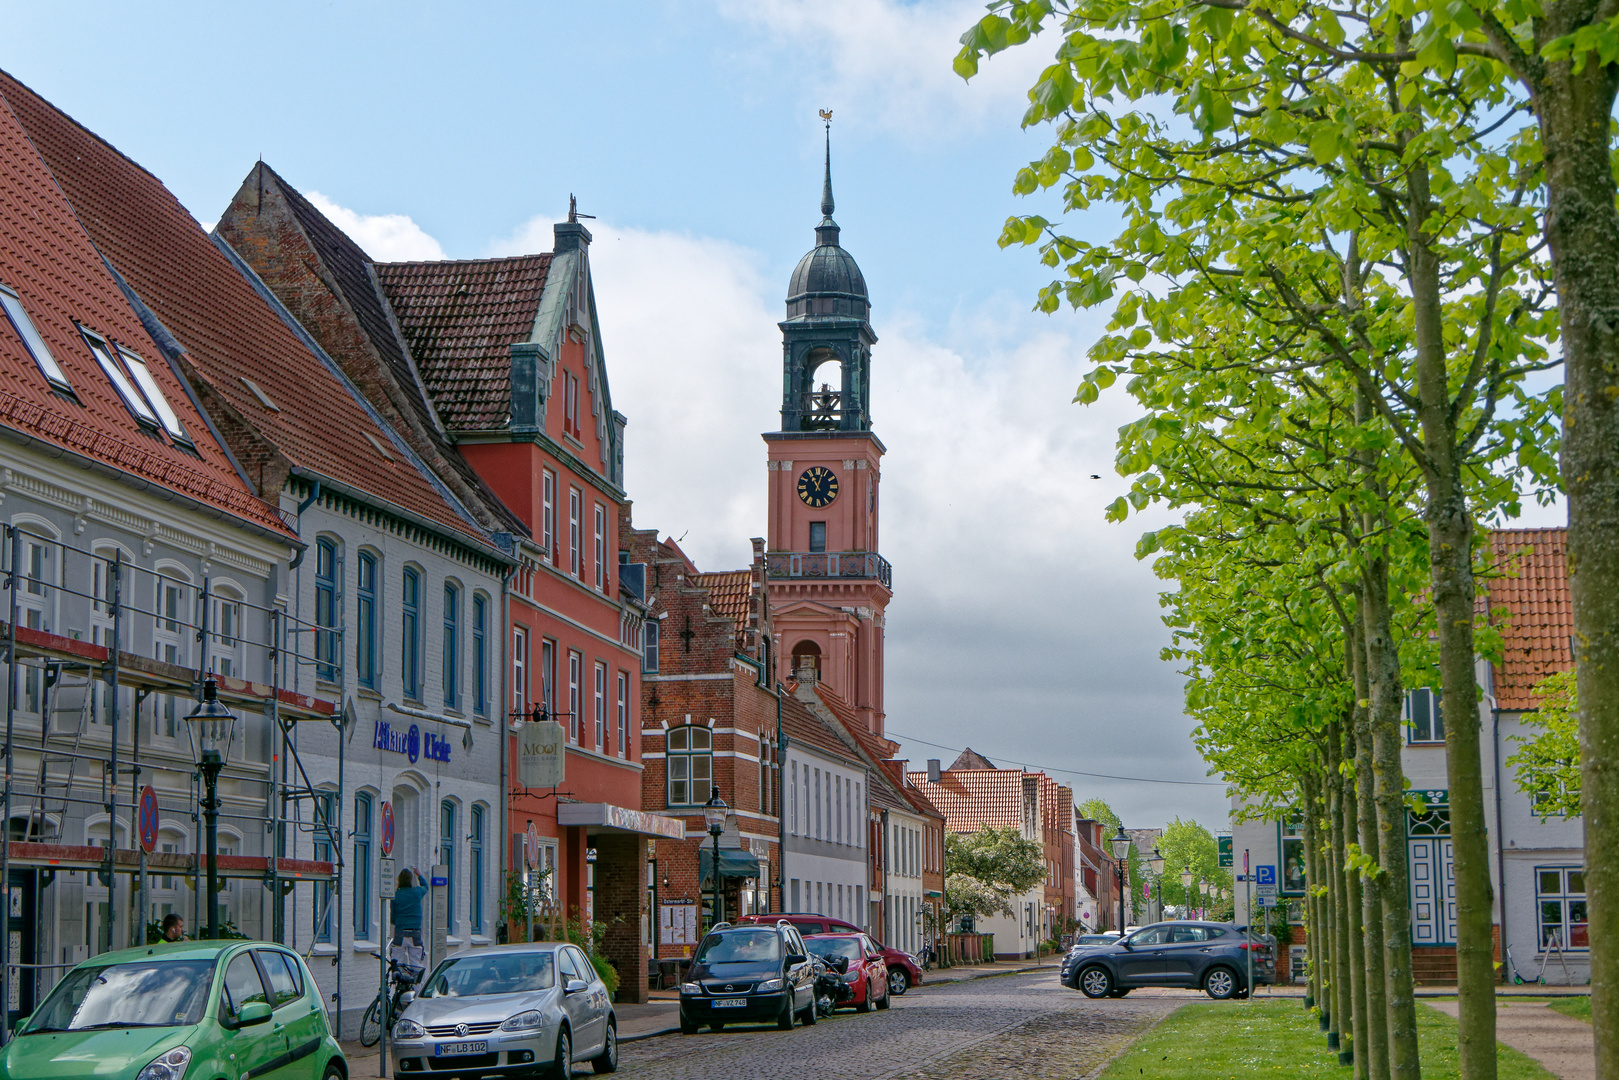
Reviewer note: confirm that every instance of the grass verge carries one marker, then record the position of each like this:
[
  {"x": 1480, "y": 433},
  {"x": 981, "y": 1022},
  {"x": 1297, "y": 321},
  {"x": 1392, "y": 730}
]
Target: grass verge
[
  {"x": 1577, "y": 1007},
  {"x": 1247, "y": 1040}
]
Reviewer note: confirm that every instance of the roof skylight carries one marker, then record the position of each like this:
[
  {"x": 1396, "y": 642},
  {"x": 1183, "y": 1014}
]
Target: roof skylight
[
  {"x": 32, "y": 341},
  {"x": 134, "y": 401},
  {"x": 154, "y": 396}
]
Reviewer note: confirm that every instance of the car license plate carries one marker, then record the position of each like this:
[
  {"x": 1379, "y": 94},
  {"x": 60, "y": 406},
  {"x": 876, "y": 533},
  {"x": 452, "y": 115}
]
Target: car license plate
[
  {"x": 730, "y": 1003},
  {"x": 448, "y": 1049}
]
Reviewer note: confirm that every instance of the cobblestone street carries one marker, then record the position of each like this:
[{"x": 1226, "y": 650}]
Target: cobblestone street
[{"x": 1023, "y": 1026}]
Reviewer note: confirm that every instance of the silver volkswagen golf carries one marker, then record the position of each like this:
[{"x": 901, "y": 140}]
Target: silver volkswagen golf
[{"x": 508, "y": 1010}]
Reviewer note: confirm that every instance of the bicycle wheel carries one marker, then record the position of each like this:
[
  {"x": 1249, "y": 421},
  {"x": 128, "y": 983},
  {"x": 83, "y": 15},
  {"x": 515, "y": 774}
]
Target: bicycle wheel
[{"x": 371, "y": 1023}]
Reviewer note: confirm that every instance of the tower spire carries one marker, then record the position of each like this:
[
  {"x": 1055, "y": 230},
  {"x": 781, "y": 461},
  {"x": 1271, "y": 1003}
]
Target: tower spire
[{"x": 826, "y": 185}]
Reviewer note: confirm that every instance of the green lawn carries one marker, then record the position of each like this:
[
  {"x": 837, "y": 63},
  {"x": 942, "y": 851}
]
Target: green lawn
[
  {"x": 1243, "y": 1040},
  {"x": 1577, "y": 1007}
]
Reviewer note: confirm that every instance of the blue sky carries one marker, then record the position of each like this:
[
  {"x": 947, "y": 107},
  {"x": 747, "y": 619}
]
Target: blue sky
[{"x": 1021, "y": 623}]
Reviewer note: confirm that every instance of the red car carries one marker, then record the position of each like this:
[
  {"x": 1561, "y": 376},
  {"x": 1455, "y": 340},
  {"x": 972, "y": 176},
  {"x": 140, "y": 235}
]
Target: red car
[
  {"x": 904, "y": 970},
  {"x": 866, "y": 974}
]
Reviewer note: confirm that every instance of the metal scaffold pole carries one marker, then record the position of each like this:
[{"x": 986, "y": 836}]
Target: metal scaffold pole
[{"x": 5, "y": 836}]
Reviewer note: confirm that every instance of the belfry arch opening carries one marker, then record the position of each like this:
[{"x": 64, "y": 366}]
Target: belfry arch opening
[{"x": 807, "y": 662}]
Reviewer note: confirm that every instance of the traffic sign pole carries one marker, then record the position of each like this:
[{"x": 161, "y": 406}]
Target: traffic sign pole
[{"x": 1248, "y": 887}]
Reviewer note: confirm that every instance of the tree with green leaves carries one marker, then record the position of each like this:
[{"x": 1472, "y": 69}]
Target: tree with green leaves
[
  {"x": 984, "y": 870},
  {"x": 1383, "y": 209},
  {"x": 1546, "y": 766},
  {"x": 1097, "y": 809}
]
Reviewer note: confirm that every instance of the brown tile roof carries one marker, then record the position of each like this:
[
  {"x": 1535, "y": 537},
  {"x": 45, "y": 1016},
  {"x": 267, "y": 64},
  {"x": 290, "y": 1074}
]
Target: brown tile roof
[
  {"x": 801, "y": 725},
  {"x": 877, "y": 746},
  {"x": 971, "y": 759},
  {"x": 728, "y": 592},
  {"x": 461, "y": 319},
  {"x": 51, "y": 263},
  {"x": 973, "y": 798},
  {"x": 228, "y": 329},
  {"x": 1528, "y": 600}
]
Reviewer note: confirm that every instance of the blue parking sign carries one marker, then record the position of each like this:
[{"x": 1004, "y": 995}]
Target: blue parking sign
[{"x": 1265, "y": 875}]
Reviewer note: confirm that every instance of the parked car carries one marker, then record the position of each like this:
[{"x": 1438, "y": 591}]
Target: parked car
[
  {"x": 904, "y": 970},
  {"x": 1209, "y": 956},
  {"x": 1085, "y": 941},
  {"x": 748, "y": 973},
  {"x": 529, "y": 1008},
  {"x": 162, "y": 1012},
  {"x": 865, "y": 973}
]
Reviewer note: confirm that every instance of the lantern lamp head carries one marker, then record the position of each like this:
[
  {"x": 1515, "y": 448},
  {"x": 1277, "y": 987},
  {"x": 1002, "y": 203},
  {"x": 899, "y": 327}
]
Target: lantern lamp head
[
  {"x": 1156, "y": 861},
  {"x": 215, "y": 725},
  {"x": 714, "y": 812},
  {"x": 1121, "y": 844}
]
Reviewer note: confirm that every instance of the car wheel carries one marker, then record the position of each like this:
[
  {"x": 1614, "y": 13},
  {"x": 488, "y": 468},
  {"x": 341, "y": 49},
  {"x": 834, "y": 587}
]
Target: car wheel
[
  {"x": 810, "y": 1013},
  {"x": 687, "y": 1026},
  {"x": 1095, "y": 982},
  {"x": 1220, "y": 984},
  {"x": 607, "y": 1060},
  {"x": 716, "y": 1025},
  {"x": 562, "y": 1061},
  {"x": 864, "y": 1004},
  {"x": 899, "y": 981},
  {"x": 785, "y": 1020},
  {"x": 334, "y": 1071},
  {"x": 886, "y": 1000}
]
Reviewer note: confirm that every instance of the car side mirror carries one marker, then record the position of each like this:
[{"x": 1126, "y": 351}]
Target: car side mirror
[
  {"x": 575, "y": 986},
  {"x": 796, "y": 958},
  {"x": 1127, "y": 945},
  {"x": 254, "y": 1012},
  {"x": 406, "y": 998}
]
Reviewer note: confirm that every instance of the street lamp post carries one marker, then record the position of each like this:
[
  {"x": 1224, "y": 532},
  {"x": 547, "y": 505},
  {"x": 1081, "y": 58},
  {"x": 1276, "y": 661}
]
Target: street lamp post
[
  {"x": 1121, "y": 852},
  {"x": 1203, "y": 887},
  {"x": 714, "y": 814},
  {"x": 1155, "y": 862},
  {"x": 1186, "y": 888},
  {"x": 211, "y": 739}
]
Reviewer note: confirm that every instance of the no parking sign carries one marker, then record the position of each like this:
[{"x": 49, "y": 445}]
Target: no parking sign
[
  {"x": 146, "y": 822},
  {"x": 387, "y": 829}
]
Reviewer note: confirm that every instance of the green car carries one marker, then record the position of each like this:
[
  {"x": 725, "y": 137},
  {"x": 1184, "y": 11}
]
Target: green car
[{"x": 204, "y": 1010}]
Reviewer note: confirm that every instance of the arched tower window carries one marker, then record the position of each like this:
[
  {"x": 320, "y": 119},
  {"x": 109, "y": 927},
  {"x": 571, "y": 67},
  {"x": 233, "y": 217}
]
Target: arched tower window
[{"x": 807, "y": 660}]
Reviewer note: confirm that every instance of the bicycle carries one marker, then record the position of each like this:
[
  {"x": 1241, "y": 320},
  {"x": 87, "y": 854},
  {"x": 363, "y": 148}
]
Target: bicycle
[{"x": 401, "y": 978}]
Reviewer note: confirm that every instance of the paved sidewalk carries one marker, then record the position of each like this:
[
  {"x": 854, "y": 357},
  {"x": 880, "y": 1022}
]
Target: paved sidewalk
[
  {"x": 661, "y": 1014},
  {"x": 1561, "y": 1043}
]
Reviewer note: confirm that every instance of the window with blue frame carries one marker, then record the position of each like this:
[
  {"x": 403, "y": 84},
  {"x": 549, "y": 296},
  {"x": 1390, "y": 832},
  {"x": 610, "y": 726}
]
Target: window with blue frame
[
  {"x": 362, "y": 866},
  {"x": 365, "y": 628},
  {"x": 451, "y": 663},
  {"x": 410, "y": 628},
  {"x": 326, "y": 659},
  {"x": 475, "y": 868},
  {"x": 446, "y": 857},
  {"x": 480, "y": 655},
  {"x": 324, "y": 821}
]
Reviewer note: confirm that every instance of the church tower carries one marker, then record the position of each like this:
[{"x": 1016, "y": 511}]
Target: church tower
[{"x": 829, "y": 584}]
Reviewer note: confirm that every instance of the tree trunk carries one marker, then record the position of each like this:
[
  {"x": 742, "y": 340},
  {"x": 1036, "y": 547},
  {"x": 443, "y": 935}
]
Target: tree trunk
[
  {"x": 1320, "y": 931},
  {"x": 1582, "y": 227},
  {"x": 1342, "y": 985},
  {"x": 1376, "y": 1048},
  {"x": 1352, "y": 910},
  {"x": 1387, "y": 700}
]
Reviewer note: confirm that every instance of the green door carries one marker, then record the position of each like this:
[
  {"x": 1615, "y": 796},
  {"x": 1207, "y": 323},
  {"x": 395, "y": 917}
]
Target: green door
[
  {"x": 254, "y": 1051},
  {"x": 297, "y": 1013}
]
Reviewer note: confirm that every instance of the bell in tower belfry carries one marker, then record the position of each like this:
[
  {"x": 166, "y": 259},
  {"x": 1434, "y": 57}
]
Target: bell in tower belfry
[{"x": 827, "y": 336}]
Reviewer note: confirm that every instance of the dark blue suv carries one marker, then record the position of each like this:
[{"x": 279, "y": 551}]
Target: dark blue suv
[{"x": 1212, "y": 957}]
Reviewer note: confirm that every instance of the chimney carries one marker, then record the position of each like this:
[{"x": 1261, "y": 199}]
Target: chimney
[
  {"x": 933, "y": 770},
  {"x": 806, "y": 674}
]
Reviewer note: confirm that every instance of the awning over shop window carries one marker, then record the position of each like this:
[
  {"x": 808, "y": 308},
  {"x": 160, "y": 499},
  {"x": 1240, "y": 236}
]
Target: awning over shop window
[{"x": 734, "y": 862}]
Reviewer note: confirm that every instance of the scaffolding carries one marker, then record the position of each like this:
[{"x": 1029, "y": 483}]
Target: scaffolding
[{"x": 73, "y": 706}]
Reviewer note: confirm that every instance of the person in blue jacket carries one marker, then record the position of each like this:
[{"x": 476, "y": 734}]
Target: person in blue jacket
[{"x": 407, "y": 908}]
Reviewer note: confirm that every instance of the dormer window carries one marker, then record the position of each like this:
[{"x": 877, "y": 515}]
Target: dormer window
[
  {"x": 32, "y": 341},
  {"x": 154, "y": 397},
  {"x": 134, "y": 401}
]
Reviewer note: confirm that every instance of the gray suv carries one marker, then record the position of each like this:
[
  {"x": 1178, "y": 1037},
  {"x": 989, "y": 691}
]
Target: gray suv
[{"x": 1212, "y": 957}]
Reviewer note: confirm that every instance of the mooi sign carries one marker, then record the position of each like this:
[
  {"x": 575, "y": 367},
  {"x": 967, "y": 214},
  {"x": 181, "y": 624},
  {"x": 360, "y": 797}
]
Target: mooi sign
[{"x": 540, "y": 754}]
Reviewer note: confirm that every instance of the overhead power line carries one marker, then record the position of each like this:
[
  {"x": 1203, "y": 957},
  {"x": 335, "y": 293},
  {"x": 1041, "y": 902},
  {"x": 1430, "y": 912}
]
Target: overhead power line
[{"x": 1066, "y": 772}]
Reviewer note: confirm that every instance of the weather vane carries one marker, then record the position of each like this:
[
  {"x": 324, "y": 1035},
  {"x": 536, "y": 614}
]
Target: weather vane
[{"x": 826, "y": 114}]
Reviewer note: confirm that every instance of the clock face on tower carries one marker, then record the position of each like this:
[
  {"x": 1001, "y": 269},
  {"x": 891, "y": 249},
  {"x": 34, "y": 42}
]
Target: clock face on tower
[{"x": 818, "y": 486}]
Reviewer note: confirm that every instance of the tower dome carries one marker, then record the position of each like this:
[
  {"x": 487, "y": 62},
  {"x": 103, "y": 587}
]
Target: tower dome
[{"x": 827, "y": 282}]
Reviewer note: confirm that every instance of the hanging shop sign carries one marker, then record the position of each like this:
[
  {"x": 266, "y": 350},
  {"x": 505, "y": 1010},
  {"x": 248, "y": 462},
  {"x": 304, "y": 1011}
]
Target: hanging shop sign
[{"x": 541, "y": 756}]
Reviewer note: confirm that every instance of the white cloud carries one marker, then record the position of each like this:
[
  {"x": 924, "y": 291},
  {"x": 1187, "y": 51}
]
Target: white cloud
[
  {"x": 384, "y": 237},
  {"x": 888, "y": 63},
  {"x": 1021, "y": 622}
]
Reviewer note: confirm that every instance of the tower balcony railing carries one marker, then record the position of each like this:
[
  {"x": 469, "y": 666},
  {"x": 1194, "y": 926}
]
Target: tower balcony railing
[{"x": 831, "y": 565}]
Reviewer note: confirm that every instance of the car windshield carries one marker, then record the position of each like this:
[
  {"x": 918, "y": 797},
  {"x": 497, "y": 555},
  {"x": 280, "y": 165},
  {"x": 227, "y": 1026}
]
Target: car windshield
[
  {"x": 501, "y": 973},
  {"x": 743, "y": 947},
  {"x": 153, "y": 993},
  {"x": 828, "y": 948}
]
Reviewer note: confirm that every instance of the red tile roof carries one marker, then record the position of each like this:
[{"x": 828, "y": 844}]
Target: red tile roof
[
  {"x": 1528, "y": 600},
  {"x": 50, "y": 262},
  {"x": 461, "y": 319},
  {"x": 801, "y": 725},
  {"x": 229, "y": 331},
  {"x": 973, "y": 798}
]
